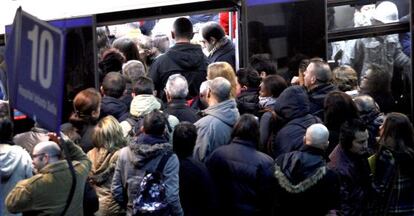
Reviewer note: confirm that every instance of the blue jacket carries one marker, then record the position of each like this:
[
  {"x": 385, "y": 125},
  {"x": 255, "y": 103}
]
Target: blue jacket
[
  {"x": 304, "y": 184},
  {"x": 115, "y": 107},
  {"x": 237, "y": 169},
  {"x": 134, "y": 160},
  {"x": 226, "y": 53}
]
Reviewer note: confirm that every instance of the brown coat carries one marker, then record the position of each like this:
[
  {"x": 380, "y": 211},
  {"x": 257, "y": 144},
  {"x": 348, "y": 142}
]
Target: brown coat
[{"x": 103, "y": 167}]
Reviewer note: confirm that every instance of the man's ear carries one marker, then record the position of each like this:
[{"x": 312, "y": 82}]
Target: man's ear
[
  {"x": 133, "y": 94},
  {"x": 142, "y": 129},
  {"x": 172, "y": 35},
  {"x": 101, "y": 90}
]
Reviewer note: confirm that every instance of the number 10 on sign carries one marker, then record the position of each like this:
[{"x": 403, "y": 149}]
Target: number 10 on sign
[{"x": 42, "y": 56}]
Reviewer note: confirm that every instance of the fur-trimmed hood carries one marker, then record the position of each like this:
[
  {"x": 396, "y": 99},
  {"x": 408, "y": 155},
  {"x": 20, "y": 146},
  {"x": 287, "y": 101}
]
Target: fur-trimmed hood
[
  {"x": 298, "y": 171},
  {"x": 147, "y": 147}
]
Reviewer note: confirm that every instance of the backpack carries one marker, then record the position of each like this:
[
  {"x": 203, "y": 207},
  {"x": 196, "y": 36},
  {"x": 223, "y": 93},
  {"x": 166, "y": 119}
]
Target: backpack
[
  {"x": 151, "y": 199},
  {"x": 137, "y": 122}
]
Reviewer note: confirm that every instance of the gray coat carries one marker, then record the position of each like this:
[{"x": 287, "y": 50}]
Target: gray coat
[
  {"x": 215, "y": 128},
  {"x": 134, "y": 160}
]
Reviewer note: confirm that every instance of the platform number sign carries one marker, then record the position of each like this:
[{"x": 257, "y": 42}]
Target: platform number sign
[{"x": 36, "y": 69}]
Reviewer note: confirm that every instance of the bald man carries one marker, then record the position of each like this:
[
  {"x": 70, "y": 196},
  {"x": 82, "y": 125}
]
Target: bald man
[
  {"x": 317, "y": 136},
  {"x": 46, "y": 192},
  {"x": 303, "y": 175}
]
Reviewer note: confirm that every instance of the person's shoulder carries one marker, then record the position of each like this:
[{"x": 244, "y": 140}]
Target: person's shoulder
[{"x": 33, "y": 182}]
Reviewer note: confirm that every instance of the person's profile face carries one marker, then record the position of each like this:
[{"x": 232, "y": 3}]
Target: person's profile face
[
  {"x": 38, "y": 160},
  {"x": 360, "y": 143},
  {"x": 309, "y": 77}
]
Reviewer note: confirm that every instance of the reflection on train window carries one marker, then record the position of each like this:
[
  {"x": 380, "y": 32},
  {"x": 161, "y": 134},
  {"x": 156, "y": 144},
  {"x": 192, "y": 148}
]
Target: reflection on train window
[
  {"x": 153, "y": 37},
  {"x": 287, "y": 31},
  {"x": 385, "y": 52},
  {"x": 342, "y": 17}
]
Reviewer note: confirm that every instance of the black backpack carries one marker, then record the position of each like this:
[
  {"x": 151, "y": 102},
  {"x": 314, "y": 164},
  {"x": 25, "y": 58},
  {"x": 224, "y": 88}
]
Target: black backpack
[
  {"x": 137, "y": 122},
  {"x": 151, "y": 199}
]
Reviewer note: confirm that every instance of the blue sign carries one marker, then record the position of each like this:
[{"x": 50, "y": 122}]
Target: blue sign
[{"x": 35, "y": 62}]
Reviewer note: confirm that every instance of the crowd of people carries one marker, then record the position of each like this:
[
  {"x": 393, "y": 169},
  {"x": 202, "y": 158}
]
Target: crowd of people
[{"x": 223, "y": 142}]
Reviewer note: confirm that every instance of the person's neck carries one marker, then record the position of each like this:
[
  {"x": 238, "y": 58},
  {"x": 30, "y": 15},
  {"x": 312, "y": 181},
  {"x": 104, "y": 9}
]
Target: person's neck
[
  {"x": 212, "y": 102},
  {"x": 182, "y": 41}
]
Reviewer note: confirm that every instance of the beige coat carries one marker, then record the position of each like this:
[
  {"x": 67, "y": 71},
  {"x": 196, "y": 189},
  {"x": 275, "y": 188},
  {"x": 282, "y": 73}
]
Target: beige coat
[{"x": 103, "y": 167}]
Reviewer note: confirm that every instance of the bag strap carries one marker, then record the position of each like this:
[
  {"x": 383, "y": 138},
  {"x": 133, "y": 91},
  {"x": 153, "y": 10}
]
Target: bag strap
[{"x": 163, "y": 162}]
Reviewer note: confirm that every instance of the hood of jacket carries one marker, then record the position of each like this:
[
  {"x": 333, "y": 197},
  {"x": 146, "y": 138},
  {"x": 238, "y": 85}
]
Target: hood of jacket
[
  {"x": 147, "y": 147},
  {"x": 186, "y": 55},
  {"x": 113, "y": 106},
  {"x": 292, "y": 103},
  {"x": 103, "y": 164},
  {"x": 226, "y": 111},
  {"x": 144, "y": 104},
  {"x": 299, "y": 170},
  {"x": 10, "y": 157}
]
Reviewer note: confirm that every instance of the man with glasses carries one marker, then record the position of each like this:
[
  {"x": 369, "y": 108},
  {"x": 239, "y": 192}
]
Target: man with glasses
[{"x": 46, "y": 193}]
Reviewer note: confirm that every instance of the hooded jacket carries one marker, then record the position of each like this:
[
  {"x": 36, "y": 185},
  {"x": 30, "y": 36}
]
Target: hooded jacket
[
  {"x": 301, "y": 176},
  {"x": 293, "y": 108},
  {"x": 185, "y": 59},
  {"x": 135, "y": 160},
  {"x": 103, "y": 167},
  {"x": 215, "y": 128},
  {"x": 15, "y": 165}
]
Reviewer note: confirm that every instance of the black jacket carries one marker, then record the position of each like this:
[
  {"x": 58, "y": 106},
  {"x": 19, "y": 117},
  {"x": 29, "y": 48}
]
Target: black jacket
[
  {"x": 293, "y": 108},
  {"x": 225, "y": 53},
  {"x": 248, "y": 101},
  {"x": 304, "y": 184},
  {"x": 183, "y": 58},
  {"x": 179, "y": 109},
  {"x": 237, "y": 169},
  {"x": 317, "y": 98},
  {"x": 114, "y": 107},
  {"x": 197, "y": 191}
]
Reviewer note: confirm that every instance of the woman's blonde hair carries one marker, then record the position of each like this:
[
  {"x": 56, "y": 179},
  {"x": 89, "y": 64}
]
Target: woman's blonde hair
[
  {"x": 225, "y": 70},
  {"x": 108, "y": 134}
]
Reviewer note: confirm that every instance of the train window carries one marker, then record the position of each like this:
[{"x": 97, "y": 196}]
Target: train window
[
  {"x": 350, "y": 16},
  {"x": 375, "y": 40},
  {"x": 286, "y": 31}
]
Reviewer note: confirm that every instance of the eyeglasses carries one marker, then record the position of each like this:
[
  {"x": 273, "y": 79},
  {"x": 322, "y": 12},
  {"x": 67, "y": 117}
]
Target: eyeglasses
[
  {"x": 38, "y": 155},
  {"x": 43, "y": 154}
]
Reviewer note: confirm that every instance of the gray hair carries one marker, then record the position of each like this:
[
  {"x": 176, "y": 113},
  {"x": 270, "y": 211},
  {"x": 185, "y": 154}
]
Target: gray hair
[
  {"x": 177, "y": 86},
  {"x": 221, "y": 88},
  {"x": 133, "y": 69},
  {"x": 204, "y": 88},
  {"x": 317, "y": 135}
]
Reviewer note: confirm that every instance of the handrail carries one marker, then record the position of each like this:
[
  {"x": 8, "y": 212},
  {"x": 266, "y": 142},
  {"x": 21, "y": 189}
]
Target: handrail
[{"x": 368, "y": 31}]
